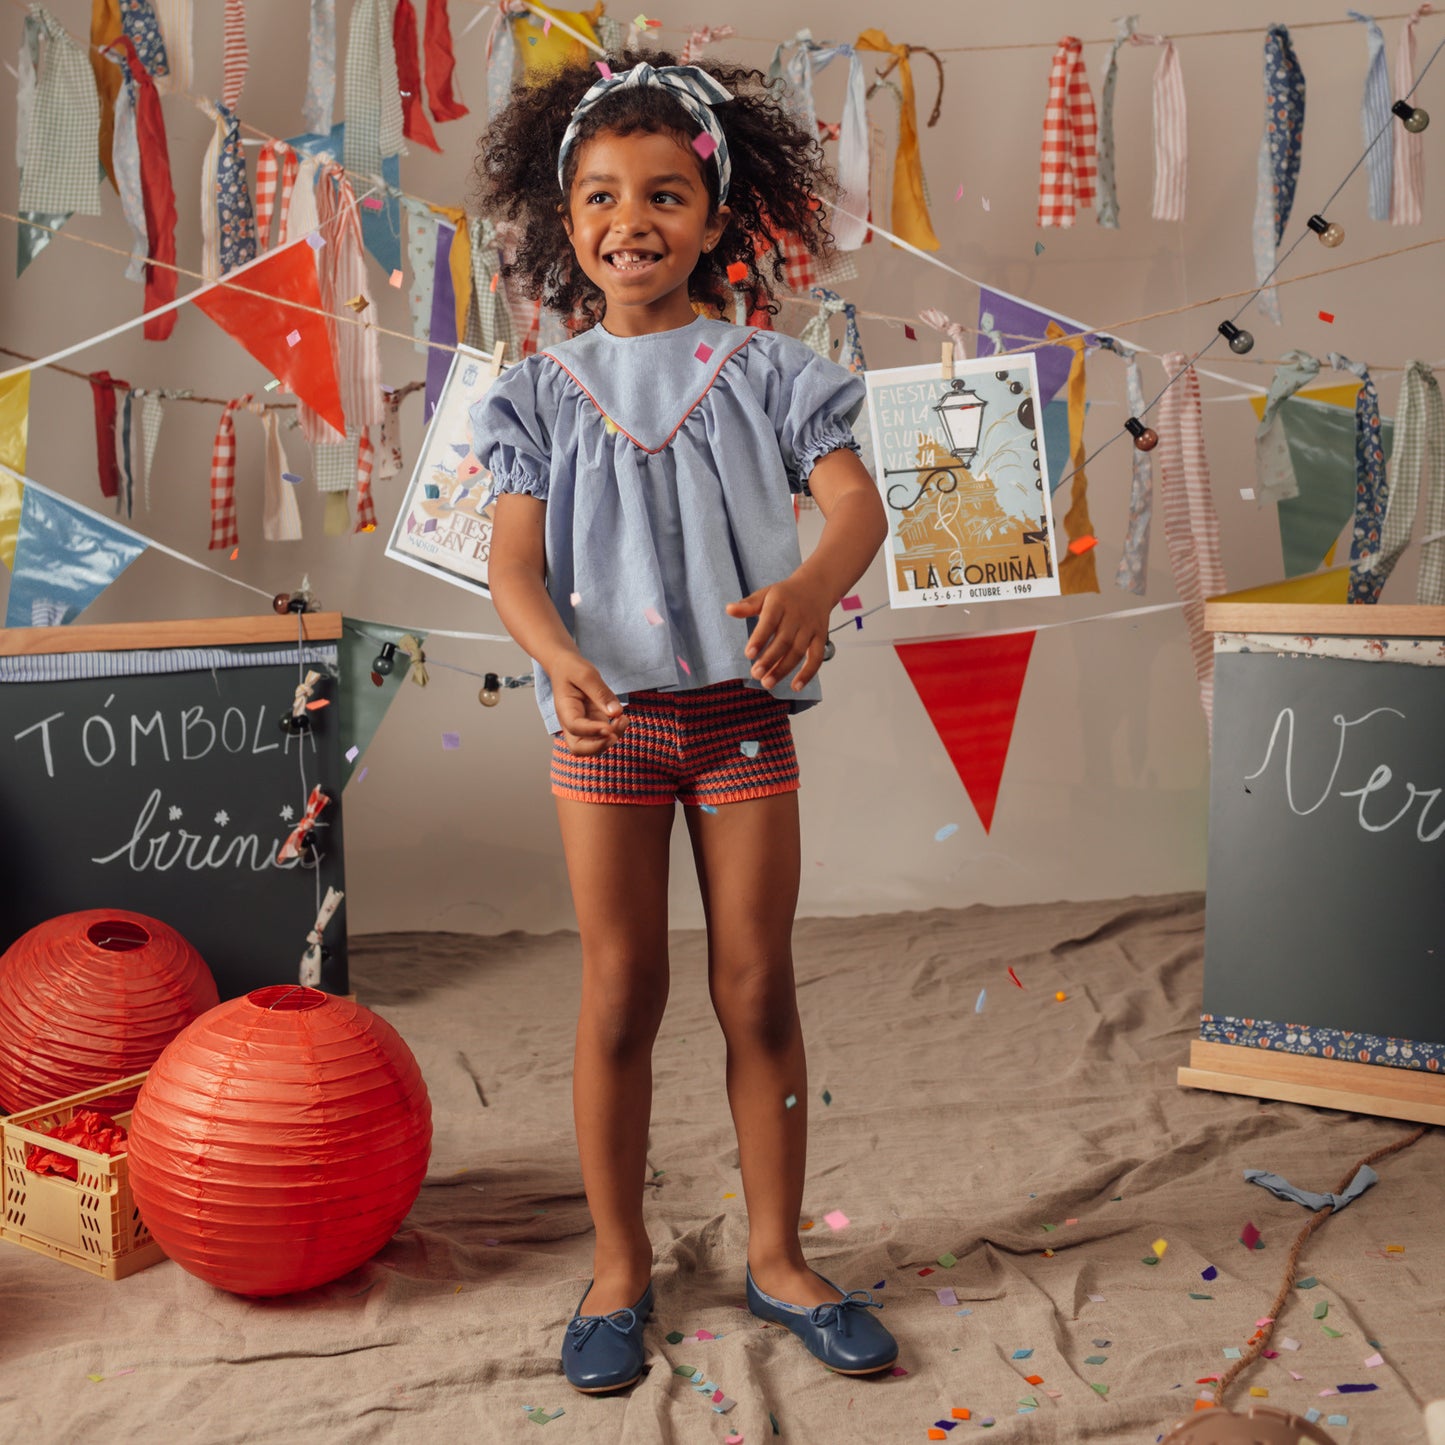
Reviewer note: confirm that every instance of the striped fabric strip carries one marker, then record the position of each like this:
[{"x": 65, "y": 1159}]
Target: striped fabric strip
[
  {"x": 62, "y": 158},
  {"x": 1408, "y": 190},
  {"x": 223, "y": 478},
  {"x": 235, "y": 59},
  {"x": 177, "y": 22},
  {"x": 320, "y": 102},
  {"x": 148, "y": 662},
  {"x": 1191, "y": 527},
  {"x": 1067, "y": 161},
  {"x": 1375, "y": 117},
  {"x": 703, "y": 36},
  {"x": 1171, "y": 131},
  {"x": 1419, "y": 434},
  {"x": 365, "y": 459},
  {"x": 125, "y": 453},
  {"x": 1372, "y": 485},
  {"x": 1108, "y": 212}
]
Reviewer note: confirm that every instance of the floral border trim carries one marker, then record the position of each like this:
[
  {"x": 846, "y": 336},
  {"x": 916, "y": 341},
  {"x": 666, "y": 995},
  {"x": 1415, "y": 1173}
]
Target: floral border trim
[
  {"x": 1421, "y": 651},
  {"x": 1323, "y": 1043}
]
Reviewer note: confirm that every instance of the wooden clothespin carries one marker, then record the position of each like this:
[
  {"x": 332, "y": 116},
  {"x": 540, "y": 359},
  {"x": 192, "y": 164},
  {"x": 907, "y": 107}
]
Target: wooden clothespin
[
  {"x": 497, "y": 352},
  {"x": 948, "y": 361}
]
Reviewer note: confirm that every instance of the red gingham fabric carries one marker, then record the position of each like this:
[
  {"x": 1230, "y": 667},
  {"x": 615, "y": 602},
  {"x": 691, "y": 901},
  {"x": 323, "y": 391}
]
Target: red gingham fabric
[
  {"x": 268, "y": 172},
  {"x": 223, "y": 478},
  {"x": 234, "y": 58},
  {"x": 802, "y": 270},
  {"x": 365, "y": 510},
  {"x": 1067, "y": 164}
]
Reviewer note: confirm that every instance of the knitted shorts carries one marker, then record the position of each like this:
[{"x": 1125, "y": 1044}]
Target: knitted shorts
[{"x": 694, "y": 747}]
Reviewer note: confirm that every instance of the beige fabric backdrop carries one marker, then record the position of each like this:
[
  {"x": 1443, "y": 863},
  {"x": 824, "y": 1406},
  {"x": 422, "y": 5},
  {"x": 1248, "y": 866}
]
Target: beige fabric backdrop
[{"x": 1106, "y": 789}]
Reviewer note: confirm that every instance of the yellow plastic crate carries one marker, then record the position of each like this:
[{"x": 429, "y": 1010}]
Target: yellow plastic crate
[{"x": 90, "y": 1221}]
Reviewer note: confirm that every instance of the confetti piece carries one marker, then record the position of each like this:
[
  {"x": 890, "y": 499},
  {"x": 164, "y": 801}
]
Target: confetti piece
[
  {"x": 1259, "y": 1392},
  {"x": 1034, "y": 1380},
  {"x": 1080, "y": 545},
  {"x": 704, "y": 145},
  {"x": 748, "y": 748},
  {"x": 1231, "y": 1352},
  {"x": 835, "y": 1219},
  {"x": 1021, "y": 1354},
  {"x": 984, "y": 199},
  {"x": 790, "y": 1101},
  {"x": 1288, "y": 1344},
  {"x": 685, "y": 1370},
  {"x": 682, "y": 663},
  {"x": 609, "y": 426},
  {"x": 706, "y": 1335},
  {"x": 358, "y": 303},
  {"x": 293, "y": 338},
  {"x": 1309, "y": 1282},
  {"x": 547, "y": 25},
  {"x": 1322, "y": 1309},
  {"x": 371, "y": 203},
  {"x": 396, "y": 279},
  {"x": 909, "y": 332},
  {"x": 1374, "y": 1360},
  {"x": 982, "y": 995},
  {"x": 1061, "y": 997},
  {"x": 722, "y": 1403},
  {"x": 1209, "y": 1272},
  {"x": 1247, "y": 493},
  {"x": 291, "y": 477},
  {"x": 1150, "y": 1259},
  {"x": 359, "y": 777},
  {"x": 1192, "y": 1295},
  {"x": 430, "y": 525},
  {"x": 926, "y": 1270},
  {"x": 897, "y": 1371},
  {"x": 1095, "y": 1359},
  {"x": 1332, "y": 1333},
  {"x": 946, "y": 1296},
  {"x": 1355, "y": 1389},
  {"x": 733, "y": 1440},
  {"x": 1097, "y": 1299},
  {"x": 235, "y": 554},
  {"x": 606, "y": 69},
  {"x": 947, "y": 831},
  {"x": 652, "y": 615},
  {"x": 492, "y": 284},
  {"x": 1099, "y": 1389},
  {"x": 1248, "y": 1235},
  {"x": 936, "y": 1434},
  {"x": 703, "y": 352},
  {"x": 316, "y": 240},
  {"x": 319, "y": 702},
  {"x": 1394, "y": 1249},
  {"x": 707, "y": 808},
  {"x": 1327, "y": 316},
  {"x": 1159, "y": 1246},
  {"x": 271, "y": 385},
  {"x": 538, "y": 1416},
  {"x": 851, "y": 604},
  {"x": 1071, "y": 1221},
  {"x": 738, "y": 273},
  {"x": 675, "y": 1337},
  {"x": 1038, "y": 248},
  {"x": 732, "y": 1195},
  {"x": 1337, "y": 1419},
  {"x": 1014, "y": 976},
  {"x": 948, "y": 1260},
  {"x": 959, "y": 1413},
  {"x": 827, "y": 1097}
]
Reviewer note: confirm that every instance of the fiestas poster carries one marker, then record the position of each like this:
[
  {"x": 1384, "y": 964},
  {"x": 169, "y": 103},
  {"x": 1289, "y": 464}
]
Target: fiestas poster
[
  {"x": 444, "y": 523},
  {"x": 962, "y": 469}
]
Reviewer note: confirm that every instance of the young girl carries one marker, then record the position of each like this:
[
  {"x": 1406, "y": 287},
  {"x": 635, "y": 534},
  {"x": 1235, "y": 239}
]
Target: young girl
[{"x": 645, "y": 554}]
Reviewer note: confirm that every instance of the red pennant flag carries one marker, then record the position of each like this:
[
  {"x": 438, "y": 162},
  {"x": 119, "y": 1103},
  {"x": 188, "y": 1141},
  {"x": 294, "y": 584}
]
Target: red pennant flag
[
  {"x": 263, "y": 324},
  {"x": 970, "y": 688}
]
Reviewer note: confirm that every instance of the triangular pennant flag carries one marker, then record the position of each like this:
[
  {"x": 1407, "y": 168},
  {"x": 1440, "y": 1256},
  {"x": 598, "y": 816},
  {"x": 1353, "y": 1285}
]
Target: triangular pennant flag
[
  {"x": 1007, "y": 325},
  {"x": 362, "y": 703},
  {"x": 1325, "y": 588},
  {"x": 14, "y": 429},
  {"x": 266, "y": 325},
  {"x": 380, "y": 215},
  {"x": 1319, "y": 429},
  {"x": 970, "y": 688},
  {"x": 65, "y": 557}
]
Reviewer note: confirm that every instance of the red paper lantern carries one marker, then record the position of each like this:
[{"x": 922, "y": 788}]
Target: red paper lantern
[
  {"x": 279, "y": 1141},
  {"x": 90, "y": 997}
]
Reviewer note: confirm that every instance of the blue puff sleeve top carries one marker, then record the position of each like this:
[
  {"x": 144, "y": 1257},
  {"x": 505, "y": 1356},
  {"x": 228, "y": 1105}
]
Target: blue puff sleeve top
[{"x": 667, "y": 462}]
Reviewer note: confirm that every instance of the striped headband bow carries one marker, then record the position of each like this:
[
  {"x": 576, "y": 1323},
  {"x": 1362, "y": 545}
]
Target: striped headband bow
[{"x": 693, "y": 88}]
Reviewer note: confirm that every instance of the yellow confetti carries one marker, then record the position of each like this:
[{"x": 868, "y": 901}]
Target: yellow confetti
[
  {"x": 1061, "y": 996},
  {"x": 358, "y": 303},
  {"x": 1259, "y": 1392},
  {"x": 96, "y": 1378},
  {"x": 457, "y": 1290},
  {"x": 1159, "y": 1246},
  {"x": 730, "y": 1196},
  {"x": 1394, "y": 1249}
]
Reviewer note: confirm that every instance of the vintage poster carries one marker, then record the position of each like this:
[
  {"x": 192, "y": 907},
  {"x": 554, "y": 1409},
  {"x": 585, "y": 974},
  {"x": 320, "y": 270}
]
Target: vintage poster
[
  {"x": 962, "y": 470},
  {"x": 444, "y": 523}
]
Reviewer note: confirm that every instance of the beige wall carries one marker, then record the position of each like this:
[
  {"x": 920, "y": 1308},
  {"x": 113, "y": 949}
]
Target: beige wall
[{"x": 1106, "y": 788}]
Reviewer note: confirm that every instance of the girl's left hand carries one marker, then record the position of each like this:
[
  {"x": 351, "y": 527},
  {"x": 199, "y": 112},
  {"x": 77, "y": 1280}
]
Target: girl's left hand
[{"x": 792, "y": 625}]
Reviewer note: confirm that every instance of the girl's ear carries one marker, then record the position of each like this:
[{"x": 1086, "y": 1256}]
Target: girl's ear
[
  {"x": 565, "y": 211},
  {"x": 717, "y": 224}
]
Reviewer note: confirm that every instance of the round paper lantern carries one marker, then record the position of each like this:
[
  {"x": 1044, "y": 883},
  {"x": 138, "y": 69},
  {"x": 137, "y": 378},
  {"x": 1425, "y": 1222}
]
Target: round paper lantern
[
  {"x": 90, "y": 997},
  {"x": 279, "y": 1141}
]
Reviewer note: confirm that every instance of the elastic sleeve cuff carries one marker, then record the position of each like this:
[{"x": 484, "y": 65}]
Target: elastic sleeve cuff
[
  {"x": 832, "y": 438},
  {"x": 518, "y": 479}
]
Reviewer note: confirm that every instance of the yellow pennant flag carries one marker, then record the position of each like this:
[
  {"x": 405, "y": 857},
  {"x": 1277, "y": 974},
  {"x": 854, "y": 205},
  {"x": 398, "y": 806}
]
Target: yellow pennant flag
[
  {"x": 545, "y": 46},
  {"x": 1328, "y": 395},
  {"x": 1318, "y": 587},
  {"x": 14, "y": 431}
]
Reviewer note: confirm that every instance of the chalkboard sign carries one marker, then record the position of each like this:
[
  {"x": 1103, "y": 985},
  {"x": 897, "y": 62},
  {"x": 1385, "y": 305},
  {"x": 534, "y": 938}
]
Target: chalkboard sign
[
  {"x": 1325, "y": 908},
  {"x": 143, "y": 766}
]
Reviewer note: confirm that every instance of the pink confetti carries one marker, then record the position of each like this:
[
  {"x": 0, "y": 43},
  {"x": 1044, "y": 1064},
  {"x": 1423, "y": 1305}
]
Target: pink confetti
[
  {"x": 897, "y": 1370},
  {"x": 293, "y": 338},
  {"x": 704, "y": 145},
  {"x": 947, "y": 1297},
  {"x": 651, "y": 614},
  {"x": 706, "y": 1335},
  {"x": 703, "y": 352},
  {"x": 1374, "y": 1360},
  {"x": 1249, "y": 1235},
  {"x": 852, "y": 604},
  {"x": 547, "y": 25},
  {"x": 682, "y": 663},
  {"x": 1270, "y": 1354},
  {"x": 1295, "y": 1375},
  {"x": 606, "y": 69},
  {"x": 1267, "y": 1320},
  {"x": 576, "y": 598},
  {"x": 362, "y": 774},
  {"x": 372, "y": 203},
  {"x": 910, "y": 333},
  {"x": 958, "y": 194},
  {"x": 396, "y": 278},
  {"x": 1071, "y": 1221},
  {"x": 836, "y": 1219}
]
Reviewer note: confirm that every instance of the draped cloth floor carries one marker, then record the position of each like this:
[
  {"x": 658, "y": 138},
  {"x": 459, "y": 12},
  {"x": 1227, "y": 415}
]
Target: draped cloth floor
[{"x": 949, "y": 1130}]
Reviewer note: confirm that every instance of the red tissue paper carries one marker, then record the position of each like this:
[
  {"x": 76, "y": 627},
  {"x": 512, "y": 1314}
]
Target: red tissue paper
[{"x": 90, "y": 1130}]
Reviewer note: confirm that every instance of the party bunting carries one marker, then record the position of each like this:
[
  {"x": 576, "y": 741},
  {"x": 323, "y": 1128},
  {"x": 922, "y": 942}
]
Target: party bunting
[
  {"x": 1077, "y": 572},
  {"x": 1132, "y": 575},
  {"x": 1407, "y": 192},
  {"x": 281, "y": 518},
  {"x": 320, "y": 101},
  {"x": 910, "y": 219},
  {"x": 1316, "y": 589},
  {"x": 262, "y": 322},
  {"x": 14, "y": 434},
  {"x": 414, "y": 124},
  {"x": 1277, "y": 168},
  {"x": 1421, "y": 423},
  {"x": 1006, "y": 324},
  {"x": 62, "y": 165},
  {"x": 1274, "y": 474},
  {"x": 361, "y": 705},
  {"x": 102, "y": 387},
  {"x": 105, "y": 29},
  {"x": 1372, "y": 484},
  {"x": 65, "y": 557},
  {"x": 1067, "y": 161},
  {"x": 372, "y": 91},
  {"x": 1191, "y": 526},
  {"x": 176, "y": 19},
  {"x": 1375, "y": 118},
  {"x": 1107, "y": 214},
  {"x": 970, "y": 689},
  {"x": 380, "y": 217}
]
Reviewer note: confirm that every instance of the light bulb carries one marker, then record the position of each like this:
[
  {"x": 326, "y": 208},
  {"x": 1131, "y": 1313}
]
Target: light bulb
[
  {"x": 1240, "y": 341},
  {"x": 1331, "y": 233},
  {"x": 383, "y": 663},
  {"x": 1145, "y": 438},
  {"x": 1414, "y": 119},
  {"x": 489, "y": 696}
]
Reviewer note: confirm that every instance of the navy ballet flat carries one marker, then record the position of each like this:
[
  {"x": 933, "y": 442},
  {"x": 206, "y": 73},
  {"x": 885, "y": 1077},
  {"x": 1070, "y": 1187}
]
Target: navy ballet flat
[
  {"x": 605, "y": 1352},
  {"x": 839, "y": 1334}
]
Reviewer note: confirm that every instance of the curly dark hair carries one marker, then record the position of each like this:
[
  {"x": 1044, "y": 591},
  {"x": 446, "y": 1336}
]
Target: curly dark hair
[{"x": 777, "y": 174}]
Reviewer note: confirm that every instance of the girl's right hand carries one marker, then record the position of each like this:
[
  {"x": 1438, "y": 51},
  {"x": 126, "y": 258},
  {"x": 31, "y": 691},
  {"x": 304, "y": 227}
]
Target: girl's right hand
[{"x": 592, "y": 719}]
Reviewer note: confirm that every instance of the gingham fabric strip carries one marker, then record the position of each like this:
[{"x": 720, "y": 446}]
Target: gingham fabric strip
[
  {"x": 127, "y": 473},
  {"x": 177, "y": 22},
  {"x": 488, "y": 320},
  {"x": 138, "y": 21},
  {"x": 235, "y": 58},
  {"x": 1171, "y": 131},
  {"x": 144, "y": 662},
  {"x": 125, "y": 160},
  {"x": 1067, "y": 162},
  {"x": 1407, "y": 192},
  {"x": 334, "y": 463},
  {"x": 223, "y": 478},
  {"x": 1279, "y": 158},
  {"x": 1078, "y": 571},
  {"x": 280, "y": 517},
  {"x": 102, "y": 390},
  {"x": 414, "y": 124},
  {"x": 105, "y": 28},
  {"x": 235, "y": 218},
  {"x": 700, "y": 38},
  {"x": 1133, "y": 572},
  {"x": 277, "y": 166},
  {"x": 1418, "y": 463},
  {"x": 1274, "y": 475},
  {"x": 1372, "y": 485},
  {"x": 815, "y": 333},
  {"x": 910, "y": 218},
  {"x": 441, "y": 64},
  {"x": 62, "y": 159},
  {"x": 152, "y": 413},
  {"x": 388, "y": 443},
  {"x": 1108, "y": 211},
  {"x": 1191, "y": 527},
  {"x": 320, "y": 102},
  {"x": 1375, "y": 117},
  {"x": 372, "y": 92},
  {"x": 365, "y": 460}
]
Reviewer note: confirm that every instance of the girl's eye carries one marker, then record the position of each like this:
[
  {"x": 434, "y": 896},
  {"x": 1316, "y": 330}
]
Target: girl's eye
[
  {"x": 598, "y": 196},
  {"x": 667, "y": 196}
]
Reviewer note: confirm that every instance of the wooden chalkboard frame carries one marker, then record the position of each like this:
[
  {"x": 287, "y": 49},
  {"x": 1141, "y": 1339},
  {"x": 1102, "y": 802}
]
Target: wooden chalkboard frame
[{"x": 1297, "y": 1078}]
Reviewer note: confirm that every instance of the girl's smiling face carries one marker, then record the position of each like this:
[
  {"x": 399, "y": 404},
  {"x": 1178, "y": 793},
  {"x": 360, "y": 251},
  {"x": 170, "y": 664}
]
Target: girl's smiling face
[{"x": 638, "y": 216}]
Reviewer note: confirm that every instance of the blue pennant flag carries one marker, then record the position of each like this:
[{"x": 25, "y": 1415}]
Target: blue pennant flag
[
  {"x": 380, "y": 228},
  {"x": 65, "y": 557}
]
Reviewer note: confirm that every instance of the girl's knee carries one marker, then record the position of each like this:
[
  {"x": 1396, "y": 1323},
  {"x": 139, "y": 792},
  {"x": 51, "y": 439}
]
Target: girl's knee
[
  {"x": 621, "y": 1015},
  {"x": 757, "y": 1006}
]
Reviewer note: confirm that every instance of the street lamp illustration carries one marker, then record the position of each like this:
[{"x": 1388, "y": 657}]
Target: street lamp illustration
[{"x": 960, "y": 409}]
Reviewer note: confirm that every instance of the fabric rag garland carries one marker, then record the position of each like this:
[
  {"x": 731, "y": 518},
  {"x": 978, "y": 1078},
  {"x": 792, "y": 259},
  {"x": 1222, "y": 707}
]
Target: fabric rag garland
[
  {"x": 909, "y": 215},
  {"x": 1171, "y": 130},
  {"x": 1067, "y": 162},
  {"x": 488, "y": 319},
  {"x": 105, "y": 30},
  {"x": 441, "y": 63},
  {"x": 956, "y": 333},
  {"x": 139, "y": 23},
  {"x": 176, "y": 19},
  {"x": 1191, "y": 525},
  {"x": 1133, "y": 572},
  {"x": 365, "y": 460},
  {"x": 125, "y": 158},
  {"x": 1375, "y": 118},
  {"x": 152, "y": 414},
  {"x": 223, "y": 478},
  {"x": 815, "y": 333},
  {"x": 228, "y": 223},
  {"x": 62, "y": 157},
  {"x": 320, "y": 101},
  {"x": 277, "y": 166},
  {"x": 127, "y": 475},
  {"x": 235, "y": 58},
  {"x": 414, "y": 124},
  {"x": 1277, "y": 170},
  {"x": 1077, "y": 572},
  {"x": 421, "y": 252},
  {"x": 102, "y": 387},
  {"x": 699, "y": 39},
  {"x": 280, "y": 517},
  {"x": 502, "y": 55},
  {"x": 372, "y": 91},
  {"x": 1275, "y": 479},
  {"x": 1372, "y": 485},
  {"x": 1108, "y": 210},
  {"x": 1419, "y": 434},
  {"x": 1407, "y": 193}
]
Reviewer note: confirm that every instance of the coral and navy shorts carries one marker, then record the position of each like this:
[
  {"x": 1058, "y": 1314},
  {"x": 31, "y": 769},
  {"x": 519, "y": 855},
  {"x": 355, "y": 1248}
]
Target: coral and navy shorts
[{"x": 708, "y": 745}]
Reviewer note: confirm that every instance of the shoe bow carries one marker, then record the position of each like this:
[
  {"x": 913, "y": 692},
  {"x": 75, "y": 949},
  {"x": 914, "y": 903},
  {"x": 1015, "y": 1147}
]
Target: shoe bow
[
  {"x": 583, "y": 1327},
  {"x": 837, "y": 1312}
]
